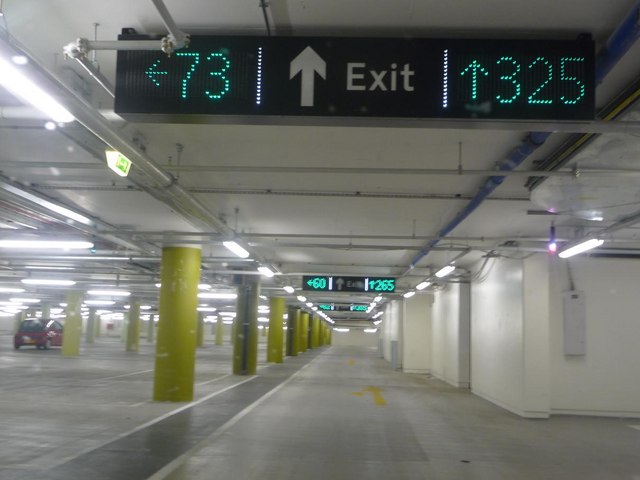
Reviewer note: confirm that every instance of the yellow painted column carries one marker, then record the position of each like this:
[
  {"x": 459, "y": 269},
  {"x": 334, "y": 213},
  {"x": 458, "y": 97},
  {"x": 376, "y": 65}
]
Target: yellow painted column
[
  {"x": 315, "y": 331},
  {"x": 245, "y": 341},
  {"x": 72, "y": 325},
  {"x": 219, "y": 331},
  {"x": 304, "y": 331},
  {"x": 293, "y": 318},
  {"x": 90, "y": 334},
  {"x": 133, "y": 329},
  {"x": 200, "y": 339},
  {"x": 176, "y": 342},
  {"x": 276, "y": 325},
  {"x": 320, "y": 332}
]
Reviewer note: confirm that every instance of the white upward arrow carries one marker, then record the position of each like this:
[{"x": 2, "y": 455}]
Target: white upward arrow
[{"x": 308, "y": 62}]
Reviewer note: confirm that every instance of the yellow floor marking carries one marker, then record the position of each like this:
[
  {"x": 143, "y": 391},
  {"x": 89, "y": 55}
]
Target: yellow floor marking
[
  {"x": 378, "y": 399},
  {"x": 351, "y": 362}
]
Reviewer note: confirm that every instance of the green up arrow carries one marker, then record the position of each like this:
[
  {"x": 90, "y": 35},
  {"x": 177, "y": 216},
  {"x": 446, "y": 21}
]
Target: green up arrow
[{"x": 474, "y": 68}]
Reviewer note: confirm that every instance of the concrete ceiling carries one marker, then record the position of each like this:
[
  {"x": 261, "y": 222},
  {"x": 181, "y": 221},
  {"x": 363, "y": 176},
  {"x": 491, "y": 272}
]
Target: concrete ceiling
[{"x": 343, "y": 200}]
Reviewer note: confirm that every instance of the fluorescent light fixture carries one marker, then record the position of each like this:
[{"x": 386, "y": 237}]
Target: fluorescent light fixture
[
  {"x": 22, "y": 87},
  {"x": 302, "y": 298},
  {"x": 235, "y": 248},
  {"x": 370, "y": 330},
  {"x": 219, "y": 296},
  {"x": 581, "y": 247},
  {"x": 25, "y": 300},
  {"x": 288, "y": 289},
  {"x": 309, "y": 304},
  {"x": 378, "y": 299},
  {"x": 48, "y": 205},
  {"x": 202, "y": 286},
  {"x": 42, "y": 267},
  {"x": 51, "y": 282},
  {"x": 158, "y": 285},
  {"x": 18, "y": 59},
  {"x": 266, "y": 271},
  {"x": 145, "y": 307},
  {"x": 409, "y": 294},
  {"x": 206, "y": 309},
  {"x": 343, "y": 330},
  {"x": 109, "y": 293},
  {"x": 227, "y": 322},
  {"x": 118, "y": 163},
  {"x": 227, "y": 314},
  {"x": 46, "y": 244},
  {"x": 422, "y": 285},
  {"x": 99, "y": 302},
  {"x": 444, "y": 271},
  {"x": 11, "y": 290},
  {"x": 377, "y": 322},
  {"x": 263, "y": 319}
]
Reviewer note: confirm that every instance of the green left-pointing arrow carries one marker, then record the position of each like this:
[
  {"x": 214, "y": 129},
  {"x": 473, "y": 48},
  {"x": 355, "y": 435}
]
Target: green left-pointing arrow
[{"x": 152, "y": 73}]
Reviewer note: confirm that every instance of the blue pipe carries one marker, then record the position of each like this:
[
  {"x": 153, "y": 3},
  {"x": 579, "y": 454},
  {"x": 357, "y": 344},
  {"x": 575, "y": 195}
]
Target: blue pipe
[{"x": 617, "y": 45}]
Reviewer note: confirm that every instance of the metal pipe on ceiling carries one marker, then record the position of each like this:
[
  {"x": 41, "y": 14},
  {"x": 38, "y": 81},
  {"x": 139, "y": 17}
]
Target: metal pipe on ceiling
[
  {"x": 26, "y": 112},
  {"x": 622, "y": 39}
]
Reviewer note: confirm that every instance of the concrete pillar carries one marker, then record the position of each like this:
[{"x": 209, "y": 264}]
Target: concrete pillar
[
  {"x": 219, "y": 331},
  {"x": 304, "y": 331},
  {"x": 315, "y": 331},
  {"x": 133, "y": 329},
  {"x": 97, "y": 327},
  {"x": 19, "y": 318},
  {"x": 245, "y": 342},
  {"x": 200, "y": 333},
  {"x": 90, "y": 334},
  {"x": 293, "y": 320},
  {"x": 176, "y": 342},
  {"x": 276, "y": 325},
  {"x": 46, "y": 310},
  {"x": 72, "y": 325},
  {"x": 151, "y": 328}
]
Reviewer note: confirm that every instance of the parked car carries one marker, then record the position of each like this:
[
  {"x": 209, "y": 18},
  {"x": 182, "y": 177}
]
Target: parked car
[{"x": 42, "y": 333}]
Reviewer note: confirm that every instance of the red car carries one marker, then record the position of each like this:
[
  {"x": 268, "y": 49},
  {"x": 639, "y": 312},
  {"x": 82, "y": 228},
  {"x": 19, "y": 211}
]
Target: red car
[{"x": 42, "y": 333}]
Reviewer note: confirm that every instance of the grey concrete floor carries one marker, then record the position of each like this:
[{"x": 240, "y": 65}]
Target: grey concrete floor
[{"x": 333, "y": 413}]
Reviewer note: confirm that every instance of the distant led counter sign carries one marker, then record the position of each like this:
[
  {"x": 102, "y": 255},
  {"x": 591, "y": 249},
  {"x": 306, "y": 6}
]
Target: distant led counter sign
[{"x": 316, "y": 283}]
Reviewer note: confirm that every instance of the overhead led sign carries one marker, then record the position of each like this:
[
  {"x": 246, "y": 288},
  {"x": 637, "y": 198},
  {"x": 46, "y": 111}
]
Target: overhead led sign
[
  {"x": 348, "y": 284},
  {"x": 354, "y": 307},
  {"x": 357, "y": 77}
]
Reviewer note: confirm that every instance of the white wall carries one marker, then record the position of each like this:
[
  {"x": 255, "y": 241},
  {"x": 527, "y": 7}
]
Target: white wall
[
  {"x": 416, "y": 334},
  {"x": 451, "y": 335},
  {"x": 604, "y": 381},
  {"x": 391, "y": 329},
  {"x": 509, "y": 336},
  {"x": 355, "y": 337}
]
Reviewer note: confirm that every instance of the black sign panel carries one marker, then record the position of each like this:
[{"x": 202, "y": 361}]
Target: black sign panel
[
  {"x": 358, "y": 77},
  {"x": 349, "y": 284}
]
